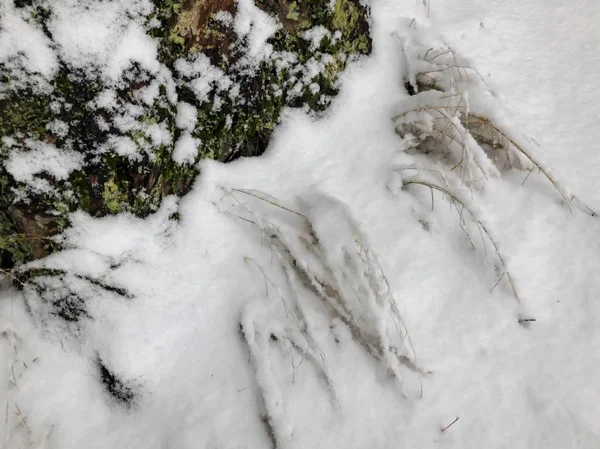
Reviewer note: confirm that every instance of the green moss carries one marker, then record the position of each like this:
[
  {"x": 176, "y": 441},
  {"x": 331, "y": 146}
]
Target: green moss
[
  {"x": 293, "y": 12},
  {"x": 81, "y": 189},
  {"x": 350, "y": 21},
  {"x": 345, "y": 16},
  {"x": 61, "y": 209},
  {"x": 114, "y": 198},
  {"x": 24, "y": 114},
  {"x": 14, "y": 248}
]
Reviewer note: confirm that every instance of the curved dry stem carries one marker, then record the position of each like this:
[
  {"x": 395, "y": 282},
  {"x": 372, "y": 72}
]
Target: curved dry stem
[
  {"x": 521, "y": 150},
  {"x": 482, "y": 226},
  {"x": 267, "y": 200},
  {"x": 443, "y": 67}
]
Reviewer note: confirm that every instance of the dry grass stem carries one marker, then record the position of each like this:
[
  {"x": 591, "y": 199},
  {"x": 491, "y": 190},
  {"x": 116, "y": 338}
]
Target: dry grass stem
[{"x": 481, "y": 225}]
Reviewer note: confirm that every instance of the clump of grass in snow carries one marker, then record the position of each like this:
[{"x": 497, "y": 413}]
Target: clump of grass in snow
[
  {"x": 486, "y": 131},
  {"x": 434, "y": 125},
  {"x": 308, "y": 254},
  {"x": 431, "y": 63},
  {"x": 63, "y": 293},
  {"x": 342, "y": 275},
  {"x": 441, "y": 121}
]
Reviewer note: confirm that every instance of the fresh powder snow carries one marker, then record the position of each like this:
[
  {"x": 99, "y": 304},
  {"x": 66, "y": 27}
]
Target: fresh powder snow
[{"x": 345, "y": 289}]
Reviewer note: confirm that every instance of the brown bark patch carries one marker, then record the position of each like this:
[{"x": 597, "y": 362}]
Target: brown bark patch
[
  {"x": 201, "y": 32},
  {"x": 35, "y": 228}
]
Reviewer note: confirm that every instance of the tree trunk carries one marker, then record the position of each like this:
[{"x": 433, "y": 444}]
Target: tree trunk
[{"x": 214, "y": 95}]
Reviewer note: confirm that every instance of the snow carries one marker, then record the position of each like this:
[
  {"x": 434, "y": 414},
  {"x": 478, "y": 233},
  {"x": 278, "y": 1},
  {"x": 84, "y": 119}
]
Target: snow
[
  {"x": 41, "y": 157},
  {"x": 186, "y": 149},
  {"x": 315, "y": 35},
  {"x": 107, "y": 99},
  {"x": 58, "y": 128},
  {"x": 20, "y": 38},
  {"x": 257, "y": 26},
  {"x": 134, "y": 46},
  {"x": 204, "y": 76},
  {"x": 187, "y": 116},
  {"x": 224, "y": 17},
  {"x": 101, "y": 34},
  {"x": 158, "y": 133},
  {"x": 318, "y": 287},
  {"x": 123, "y": 146}
]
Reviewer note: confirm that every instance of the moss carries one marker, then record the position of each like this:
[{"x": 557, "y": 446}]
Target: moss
[
  {"x": 81, "y": 189},
  {"x": 114, "y": 197},
  {"x": 293, "y": 12},
  {"x": 62, "y": 209},
  {"x": 244, "y": 128},
  {"x": 183, "y": 26},
  {"x": 14, "y": 248},
  {"x": 345, "y": 15},
  {"x": 24, "y": 114},
  {"x": 351, "y": 22}
]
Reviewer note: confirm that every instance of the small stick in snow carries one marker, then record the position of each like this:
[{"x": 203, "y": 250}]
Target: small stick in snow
[
  {"x": 449, "y": 425},
  {"x": 525, "y": 321},
  {"x": 20, "y": 415},
  {"x": 10, "y": 274},
  {"x": 60, "y": 340}
]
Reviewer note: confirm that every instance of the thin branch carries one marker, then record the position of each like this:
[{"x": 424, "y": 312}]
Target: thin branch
[{"x": 449, "y": 425}]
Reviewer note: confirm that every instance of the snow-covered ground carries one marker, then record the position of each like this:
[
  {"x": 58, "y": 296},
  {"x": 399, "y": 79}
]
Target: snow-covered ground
[{"x": 314, "y": 297}]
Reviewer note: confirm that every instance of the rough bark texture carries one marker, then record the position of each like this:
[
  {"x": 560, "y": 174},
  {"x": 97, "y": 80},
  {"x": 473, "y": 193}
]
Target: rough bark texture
[{"x": 228, "y": 126}]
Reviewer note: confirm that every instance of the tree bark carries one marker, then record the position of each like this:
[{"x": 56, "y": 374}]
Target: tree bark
[{"x": 236, "y": 114}]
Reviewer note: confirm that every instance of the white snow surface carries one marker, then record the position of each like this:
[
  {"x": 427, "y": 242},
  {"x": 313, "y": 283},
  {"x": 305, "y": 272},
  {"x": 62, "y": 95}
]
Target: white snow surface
[
  {"x": 186, "y": 148},
  {"x": 19, "y": 37},
  {"x": 40, "y": 157},
  {"x": 205, "y": 76},
  {"x": 332, "y": 195},
  {"x": 255, "y": 24},
  {"x": 315, "y": 35},
  {"x": 187, "y": 116},
  {"x": 107, "y": 35}
]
